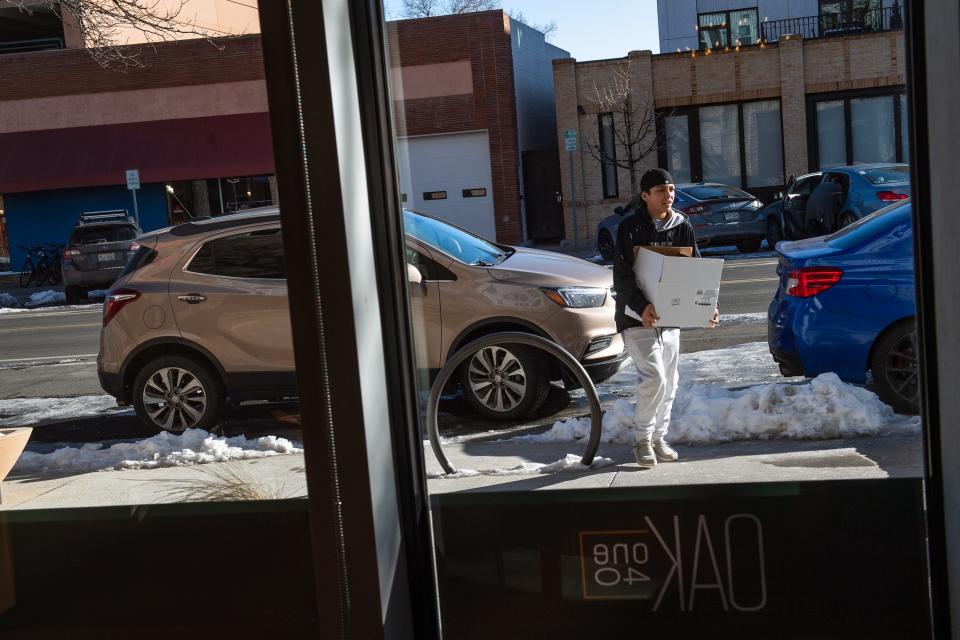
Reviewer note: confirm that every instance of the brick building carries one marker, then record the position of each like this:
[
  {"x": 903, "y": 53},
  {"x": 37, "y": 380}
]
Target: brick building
[
  {"x": 473, "y": 100},
  {"x": 750, "y": 116}
]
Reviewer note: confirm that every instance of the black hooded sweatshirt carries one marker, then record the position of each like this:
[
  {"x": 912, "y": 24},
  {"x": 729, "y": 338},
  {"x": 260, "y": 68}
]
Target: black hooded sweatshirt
[{"x": 638, "y": 230}]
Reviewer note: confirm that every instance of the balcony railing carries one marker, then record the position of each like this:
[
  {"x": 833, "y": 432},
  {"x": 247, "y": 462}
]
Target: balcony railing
[
  {"x": 834, "y": 24},
  {"x": 36, "y": 44}
]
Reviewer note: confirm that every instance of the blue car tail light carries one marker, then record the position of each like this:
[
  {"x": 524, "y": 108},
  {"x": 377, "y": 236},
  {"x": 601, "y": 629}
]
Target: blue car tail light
[{"x": 809, "y": 281}]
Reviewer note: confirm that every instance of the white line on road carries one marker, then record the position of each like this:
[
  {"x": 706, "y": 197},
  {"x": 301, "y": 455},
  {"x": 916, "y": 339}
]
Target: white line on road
[
  {"x": 82, "y": 355},
  {"x": 750, "y": 280},
  {"x": 56, "y": 327}
]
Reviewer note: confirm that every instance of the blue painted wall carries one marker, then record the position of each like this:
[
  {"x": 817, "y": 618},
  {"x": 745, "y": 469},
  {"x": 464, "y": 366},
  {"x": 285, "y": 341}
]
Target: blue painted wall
[{"x": 49, "y": 216}]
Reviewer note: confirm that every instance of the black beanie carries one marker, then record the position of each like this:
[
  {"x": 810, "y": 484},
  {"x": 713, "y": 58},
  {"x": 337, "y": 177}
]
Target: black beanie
[{"x": 653, "y": 178}]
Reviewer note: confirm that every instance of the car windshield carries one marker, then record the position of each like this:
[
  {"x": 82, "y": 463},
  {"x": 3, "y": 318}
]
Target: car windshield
[
  {"x": 869, "y": 226},
  {"x": 462, "y": 245},
  {"x": 715, "y": 192},
  {"x": 886, "y": 174}
]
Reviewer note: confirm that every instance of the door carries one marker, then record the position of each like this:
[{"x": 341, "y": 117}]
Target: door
[
  {"x": 542, "y": 195},
  {"x": 449, "y": 176},
  {"x": 795, "y": 205},
  {"x": 230, "y": 298},
  {"x": 425, "y": 307}
]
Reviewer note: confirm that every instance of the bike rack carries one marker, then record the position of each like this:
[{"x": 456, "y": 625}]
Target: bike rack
[{"x": 511, "y": 337}]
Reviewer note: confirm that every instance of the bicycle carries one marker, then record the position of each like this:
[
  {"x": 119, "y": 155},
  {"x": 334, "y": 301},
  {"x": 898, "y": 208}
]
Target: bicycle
[
  {"x": 55, "y": 272},
  {"x": 34, "y": 271}
]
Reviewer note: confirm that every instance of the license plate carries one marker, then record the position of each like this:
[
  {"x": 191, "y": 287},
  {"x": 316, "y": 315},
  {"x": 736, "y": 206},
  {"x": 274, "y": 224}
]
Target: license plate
[
  {"x": 106, "y": 257},
  {"x": 732, "y": 216}
]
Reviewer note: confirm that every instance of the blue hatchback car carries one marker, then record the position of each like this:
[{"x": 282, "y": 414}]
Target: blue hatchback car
[{"x": 846, "y": 304}]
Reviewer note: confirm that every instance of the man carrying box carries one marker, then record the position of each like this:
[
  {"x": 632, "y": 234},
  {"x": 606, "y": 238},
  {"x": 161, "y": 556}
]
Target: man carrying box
[{"x": 655, "y": 350}]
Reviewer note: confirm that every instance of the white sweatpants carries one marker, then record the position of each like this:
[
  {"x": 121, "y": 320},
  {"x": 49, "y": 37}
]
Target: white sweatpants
[{"x": 655, "y": 353}]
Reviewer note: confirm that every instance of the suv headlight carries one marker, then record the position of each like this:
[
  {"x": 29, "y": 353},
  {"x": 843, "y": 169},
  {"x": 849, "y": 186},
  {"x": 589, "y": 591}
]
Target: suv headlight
[{"x": 577, "y": 297}]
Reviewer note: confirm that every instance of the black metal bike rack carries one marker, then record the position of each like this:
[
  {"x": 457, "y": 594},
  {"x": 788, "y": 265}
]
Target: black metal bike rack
[{"x": 510, "y": 337}]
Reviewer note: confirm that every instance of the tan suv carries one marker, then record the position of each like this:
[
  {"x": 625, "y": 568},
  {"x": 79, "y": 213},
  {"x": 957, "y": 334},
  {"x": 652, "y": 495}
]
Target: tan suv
[{"x": 199, "y": 317}]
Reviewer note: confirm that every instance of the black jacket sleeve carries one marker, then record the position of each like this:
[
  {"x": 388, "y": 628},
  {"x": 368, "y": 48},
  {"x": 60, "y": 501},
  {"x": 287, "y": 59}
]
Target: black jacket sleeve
[{"x": 624, "y": 282}]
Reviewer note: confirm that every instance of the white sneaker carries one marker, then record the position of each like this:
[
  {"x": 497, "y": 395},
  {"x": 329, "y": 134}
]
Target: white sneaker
[
  {"x": 664, "y": 452},
  {"x": 644, "y": 455}
]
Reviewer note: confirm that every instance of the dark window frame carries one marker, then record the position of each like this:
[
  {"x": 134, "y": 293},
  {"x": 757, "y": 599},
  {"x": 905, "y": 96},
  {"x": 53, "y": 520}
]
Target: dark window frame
[
  {"x": 692, "y": 112},
  {"x": 813, "y": 142},
  {"x": 726, "y": 25},
  {"x": 610, "y": 192}
]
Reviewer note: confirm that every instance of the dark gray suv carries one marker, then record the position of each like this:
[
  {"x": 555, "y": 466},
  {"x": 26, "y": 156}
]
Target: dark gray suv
[{"x": 97, "y": 251}]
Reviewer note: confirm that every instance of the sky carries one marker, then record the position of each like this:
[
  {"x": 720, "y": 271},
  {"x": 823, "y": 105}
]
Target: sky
[{"x": 588, "y": 30}]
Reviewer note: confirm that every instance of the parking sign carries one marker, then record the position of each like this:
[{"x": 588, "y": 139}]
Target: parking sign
[
  {"x": 570, "y": 140},
  {"x": 133, "y": 179}
]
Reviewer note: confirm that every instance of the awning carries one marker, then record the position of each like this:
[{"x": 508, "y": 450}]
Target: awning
[{"x": 163, "y": 151}]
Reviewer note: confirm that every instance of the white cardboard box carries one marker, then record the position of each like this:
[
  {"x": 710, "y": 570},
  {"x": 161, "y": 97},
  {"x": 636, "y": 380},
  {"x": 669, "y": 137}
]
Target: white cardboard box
[{"x": 683, "y": 290}]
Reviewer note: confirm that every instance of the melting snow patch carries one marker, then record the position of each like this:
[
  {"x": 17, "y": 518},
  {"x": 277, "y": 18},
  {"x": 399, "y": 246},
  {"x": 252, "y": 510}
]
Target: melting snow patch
[
  {"x": 824, "y": 408},
  {"x": 45, "y": 297},
  {"x": 570, "y": 463},
  {"x": 97, "y": 294},
  {"x": 193, "y": 446},
  {"x": 20, "y": 412},
  {"x": 740, "y": 319},
  {"x": 8, "y": 301}
]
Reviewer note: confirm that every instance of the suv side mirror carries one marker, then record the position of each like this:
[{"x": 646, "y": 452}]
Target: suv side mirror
[
  {"x": 778, "y": 195},
  {"x": 413, "y": 275},
  {"x": 619, "y": 211}
]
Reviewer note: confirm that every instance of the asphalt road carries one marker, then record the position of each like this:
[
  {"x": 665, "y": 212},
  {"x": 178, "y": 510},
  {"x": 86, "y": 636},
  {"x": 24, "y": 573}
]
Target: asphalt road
[{"x": 35, "y": 344}]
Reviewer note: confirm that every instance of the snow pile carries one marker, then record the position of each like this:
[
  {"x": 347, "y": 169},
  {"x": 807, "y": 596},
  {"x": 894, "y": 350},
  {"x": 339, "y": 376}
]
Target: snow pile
[
  {"x": 7, "y": 301},
  {"x": 740, "y": 319},
  {"x": 571, "y": 463},
  {"x": 45, "y": 297},
  {"x": 825, "y": 408},
  {"x": 97, "y": 294},
  {"x": 193, "y": 446},
  {"x": 20, "y": 412}
]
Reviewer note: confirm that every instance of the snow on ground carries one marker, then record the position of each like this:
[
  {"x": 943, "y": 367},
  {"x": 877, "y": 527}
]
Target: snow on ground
[
  {"x": 45, "y": 297},
  {"x": 58, "y": 309},
  {"x": 193, "y": 446},
  {"x": 739, "y": 319},
  {"x": 97, "y": 294},
  {"x": 20, "y": 412},
  {"x": 709, "y": 413},
  {"x": 571, "y": 463},
  {"x": 8, "y": 301}
]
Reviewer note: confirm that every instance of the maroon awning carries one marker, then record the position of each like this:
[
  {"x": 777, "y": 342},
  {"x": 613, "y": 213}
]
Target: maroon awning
[{"x": 164, "y": 150}]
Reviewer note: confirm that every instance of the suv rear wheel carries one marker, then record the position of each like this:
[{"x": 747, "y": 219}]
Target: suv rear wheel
[
  {"x": 505, "y": 382},
  {"x": 175, "y": 393}
]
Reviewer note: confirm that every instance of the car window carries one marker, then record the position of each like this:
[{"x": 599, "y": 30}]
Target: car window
[
  {"x": 460, "y": 244},
  {"x": 255, "y": 254},
  {"x": 886, "y": 174},
  {"x": 715, "y": 192},
  {"x": 101, "y": 235},
  {"x": 805, "y": 186},
  {"x": 869, "y": 226}
]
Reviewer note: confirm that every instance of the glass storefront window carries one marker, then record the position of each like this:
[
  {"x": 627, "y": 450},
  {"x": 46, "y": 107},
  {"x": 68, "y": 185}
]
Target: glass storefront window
[
  {"x": 763, "y": 143},
  {"x": 872, "y": 129},
  {"x": 678, "y": 147},
  {"x": 831, "y": 134},
  {"x": 720, "y": 144}
]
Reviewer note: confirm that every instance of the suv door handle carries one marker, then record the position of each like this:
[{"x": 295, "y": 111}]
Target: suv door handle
[{"x": 192, "y": 298}]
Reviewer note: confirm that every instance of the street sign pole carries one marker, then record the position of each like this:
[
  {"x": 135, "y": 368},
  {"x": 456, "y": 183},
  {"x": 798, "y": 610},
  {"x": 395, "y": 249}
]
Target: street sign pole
[
  {"x": 570, "y": 144},
  {"x": 133, "y": 184}
]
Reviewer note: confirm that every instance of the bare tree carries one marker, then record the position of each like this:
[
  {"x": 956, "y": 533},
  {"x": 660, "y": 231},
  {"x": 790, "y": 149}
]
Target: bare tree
[
  {"x": 420, "y": 8},
  {"x": 548, "y": 29},
  {"x": 428, "y": 8},
  {"x": 469, "y": 6},
  {"x": 101, "y": 22},
  {"x": 634, "y": 126}
]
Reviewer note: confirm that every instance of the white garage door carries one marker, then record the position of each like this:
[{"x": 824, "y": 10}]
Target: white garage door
[{"x": 448, "y": 176}]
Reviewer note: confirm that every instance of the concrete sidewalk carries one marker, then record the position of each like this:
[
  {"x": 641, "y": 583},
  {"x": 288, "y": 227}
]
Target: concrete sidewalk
[{"x": 283, "y": 476}]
